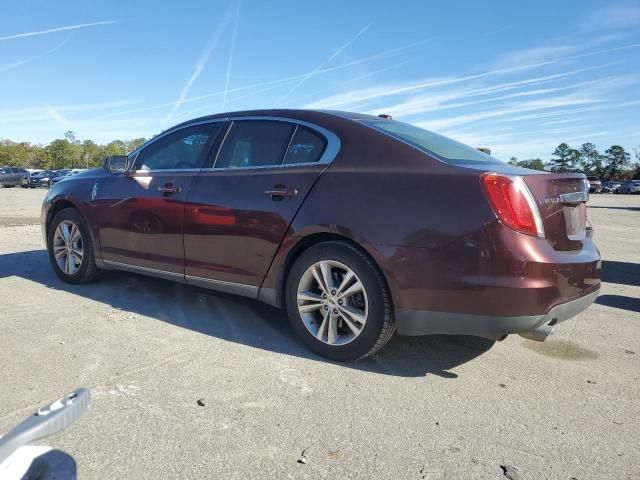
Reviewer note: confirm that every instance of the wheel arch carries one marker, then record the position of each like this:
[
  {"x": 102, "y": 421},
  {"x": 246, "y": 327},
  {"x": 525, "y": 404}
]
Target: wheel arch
[
  {"x": 62, "y": 202},
  {"x": 53, "y": 210},
  {"x": 298, "y": 245}
]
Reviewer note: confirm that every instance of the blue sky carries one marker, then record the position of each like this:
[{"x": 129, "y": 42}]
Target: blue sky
[{"x": 519, "y": 77}]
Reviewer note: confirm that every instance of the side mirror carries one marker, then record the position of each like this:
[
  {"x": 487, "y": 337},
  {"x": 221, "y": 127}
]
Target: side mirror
[{"x": 116, "y": 163}]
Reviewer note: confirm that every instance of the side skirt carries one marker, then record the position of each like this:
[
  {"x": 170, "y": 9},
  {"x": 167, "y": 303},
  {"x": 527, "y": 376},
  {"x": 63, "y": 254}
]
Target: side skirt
[{"x": 249, "y": 291}]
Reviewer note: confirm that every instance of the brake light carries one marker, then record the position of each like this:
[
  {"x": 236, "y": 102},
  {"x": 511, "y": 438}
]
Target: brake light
[{"x": 513, "y": 203}]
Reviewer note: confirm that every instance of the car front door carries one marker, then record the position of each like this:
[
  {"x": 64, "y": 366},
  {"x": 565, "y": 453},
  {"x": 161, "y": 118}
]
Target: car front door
[
  {"x": 238, "y": 211},
  {"x": 141, "y": 212}
]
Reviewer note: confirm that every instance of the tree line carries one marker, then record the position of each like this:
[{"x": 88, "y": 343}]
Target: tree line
[
  {"x": 67, "y": 152},
  {"x": 614, "y": 164}
]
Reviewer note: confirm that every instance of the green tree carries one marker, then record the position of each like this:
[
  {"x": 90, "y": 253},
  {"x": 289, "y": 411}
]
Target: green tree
[
  {"x": 135, "y": 143},
  {"x": 565, "y": 159},
  {"x": 90, "y": 154},
  {"x": 532, "y": 163},
  {"x": 591, "y": 160},
  {"x": 616, "y": 160},
  {"x": 60, "y": 153}
]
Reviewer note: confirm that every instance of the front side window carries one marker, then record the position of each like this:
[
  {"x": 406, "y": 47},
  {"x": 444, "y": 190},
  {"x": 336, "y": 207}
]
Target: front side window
[
  {"x": 255, "y": 143},
  {"x": 305, "y": 147},
  {"x": 441, "y": 147},
  {"x": 184, "y": 149}
]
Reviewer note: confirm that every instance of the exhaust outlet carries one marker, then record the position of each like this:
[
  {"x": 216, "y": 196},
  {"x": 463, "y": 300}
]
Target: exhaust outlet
[{"x": 539, "y": 334}]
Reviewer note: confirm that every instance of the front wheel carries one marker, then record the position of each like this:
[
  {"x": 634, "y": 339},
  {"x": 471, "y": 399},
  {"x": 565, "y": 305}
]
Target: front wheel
[
  {"x": 70, "y": 250},
  {"x": 338, "y": 302}
]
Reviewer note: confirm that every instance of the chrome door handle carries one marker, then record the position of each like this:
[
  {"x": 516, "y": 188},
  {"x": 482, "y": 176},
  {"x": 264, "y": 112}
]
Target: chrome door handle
[
  {"x": 282, "y": 192},
  {"x": 169, "y": 188}
]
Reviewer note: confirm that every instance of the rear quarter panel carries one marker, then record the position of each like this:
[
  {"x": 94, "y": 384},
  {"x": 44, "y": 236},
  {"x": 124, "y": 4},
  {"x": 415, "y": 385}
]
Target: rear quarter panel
[{"x": 382, "y": 193}]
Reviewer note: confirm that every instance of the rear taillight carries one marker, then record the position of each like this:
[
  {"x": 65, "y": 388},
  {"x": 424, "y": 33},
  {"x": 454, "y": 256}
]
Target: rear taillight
[{"x": 513, "y": 203}]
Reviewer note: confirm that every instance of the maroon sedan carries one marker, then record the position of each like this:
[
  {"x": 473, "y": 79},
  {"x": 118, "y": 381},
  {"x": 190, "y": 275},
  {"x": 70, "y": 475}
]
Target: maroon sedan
[{"x": 359, "y": 226}]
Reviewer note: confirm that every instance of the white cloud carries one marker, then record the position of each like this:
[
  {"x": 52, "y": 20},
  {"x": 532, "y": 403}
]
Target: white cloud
[{"x": 613, "y": 17}]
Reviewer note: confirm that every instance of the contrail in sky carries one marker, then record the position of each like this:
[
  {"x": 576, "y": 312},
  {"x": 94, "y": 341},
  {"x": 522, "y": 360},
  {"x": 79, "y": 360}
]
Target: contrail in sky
[
  {"x": 323, "y": 64},
  {"x": 233, "y": 46},
  {"x": 200, "y": 64},
  {"x": 58, "y": 29},
  {"x": 30, "y": 59}
]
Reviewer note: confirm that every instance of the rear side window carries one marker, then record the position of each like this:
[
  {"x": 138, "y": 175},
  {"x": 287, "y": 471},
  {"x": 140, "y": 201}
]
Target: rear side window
[
  {"x": 306, "y": 147},
  {"x": 255, "y": 143},
  {"x": 441, "y": 147},
  {"x": 184, "y": 149}
]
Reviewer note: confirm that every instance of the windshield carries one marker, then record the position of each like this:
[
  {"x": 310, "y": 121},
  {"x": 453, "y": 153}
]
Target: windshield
[{"x": 439, "y": 146}]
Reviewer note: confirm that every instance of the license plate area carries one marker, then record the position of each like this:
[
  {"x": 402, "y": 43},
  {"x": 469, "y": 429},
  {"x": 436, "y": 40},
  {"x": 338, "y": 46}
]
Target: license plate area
[{"x": 575, "y": 217}]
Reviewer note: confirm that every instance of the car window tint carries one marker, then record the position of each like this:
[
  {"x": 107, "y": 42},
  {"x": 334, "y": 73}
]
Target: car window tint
[
  {"x": 306, "y": 147},
  {"x": 255, "y": 143},
  {"x": 441, "y": 147},
  {"x": 183, "y": 149},
  {"x": 4, "y": 171}
]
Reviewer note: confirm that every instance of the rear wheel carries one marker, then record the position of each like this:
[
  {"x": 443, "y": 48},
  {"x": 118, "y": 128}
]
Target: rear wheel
[
  {"x": 70, "y": 250},
  {"x": 338, "y": 302}
]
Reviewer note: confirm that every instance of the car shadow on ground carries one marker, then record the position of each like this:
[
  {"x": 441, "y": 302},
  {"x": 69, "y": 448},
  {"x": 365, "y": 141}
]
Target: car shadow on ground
[
  {"x": 620, "y": 301},
  {"x": 241, "y": 320},
  {"x": 633, "y": 209},
  {"x": 626, "y": 273}
]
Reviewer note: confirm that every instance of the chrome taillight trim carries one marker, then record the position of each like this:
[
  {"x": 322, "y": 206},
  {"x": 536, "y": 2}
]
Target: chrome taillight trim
[{"x": 522, "y": 187}]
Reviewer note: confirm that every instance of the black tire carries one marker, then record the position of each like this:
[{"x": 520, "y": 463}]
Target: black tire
[
  {"x": 87, "y": 271},
  {"x": 380, "y": 323}
]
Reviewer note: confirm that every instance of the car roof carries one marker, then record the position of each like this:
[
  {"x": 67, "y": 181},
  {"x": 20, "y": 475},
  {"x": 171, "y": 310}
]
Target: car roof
[{"x": 299, "y": 114}]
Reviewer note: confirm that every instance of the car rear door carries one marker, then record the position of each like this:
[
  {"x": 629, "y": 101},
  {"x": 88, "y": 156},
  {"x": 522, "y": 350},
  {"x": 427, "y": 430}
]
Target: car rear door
[
  {"x": 238, "y": 211},
  {"x": 141, "y": 212}
]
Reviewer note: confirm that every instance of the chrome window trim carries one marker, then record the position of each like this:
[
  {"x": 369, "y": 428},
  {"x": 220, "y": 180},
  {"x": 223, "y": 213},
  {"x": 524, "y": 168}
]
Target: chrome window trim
[
  {"x": 331, "y": 150},
  {"x": 133, "y": 156}
]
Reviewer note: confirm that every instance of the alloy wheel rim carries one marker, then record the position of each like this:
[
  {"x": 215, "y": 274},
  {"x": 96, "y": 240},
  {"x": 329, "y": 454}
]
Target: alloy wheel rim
[
  {"x": 332, "y": 302},
  {"x": 68, "y": 247}
]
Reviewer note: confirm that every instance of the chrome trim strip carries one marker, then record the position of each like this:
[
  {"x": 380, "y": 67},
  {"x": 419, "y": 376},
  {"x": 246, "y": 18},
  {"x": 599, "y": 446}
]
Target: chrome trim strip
[
  {"x": 330, "y": 152},
  {"x": 524, "y": 189},
  {"x": 241, "y": 289},
  {"x": 574, "y": 197},
  {"x": 224, "y": 286},
  {"x": 224, "y": 139},
  {"x": 145, "y": 270}
]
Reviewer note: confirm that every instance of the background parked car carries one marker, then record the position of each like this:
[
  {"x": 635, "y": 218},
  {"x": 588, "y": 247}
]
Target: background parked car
[
  {"x": 41, "y": 179},
  {"x": 631, "y": 186},
  {"x": 62, "y": 176},
  {"x": 595, "y": 185},
  {"x": 11, "y": 176},
  {"x": 610, "y": 187}
]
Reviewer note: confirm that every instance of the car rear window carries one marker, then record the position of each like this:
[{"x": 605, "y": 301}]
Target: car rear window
[
  {"x": 439, "y": 146},
  {"x": 305, "y": 147}
]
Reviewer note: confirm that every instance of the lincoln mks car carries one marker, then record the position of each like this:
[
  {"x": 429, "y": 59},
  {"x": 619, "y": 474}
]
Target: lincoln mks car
[{"x": 358, "y": 226}]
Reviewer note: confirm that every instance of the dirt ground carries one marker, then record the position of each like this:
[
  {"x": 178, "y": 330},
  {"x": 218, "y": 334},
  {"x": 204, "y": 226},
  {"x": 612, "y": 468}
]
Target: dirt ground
[{"x": 426, "y": 408}]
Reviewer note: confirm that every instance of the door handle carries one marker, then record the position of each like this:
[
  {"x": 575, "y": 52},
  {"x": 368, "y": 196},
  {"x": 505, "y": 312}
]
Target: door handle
[
  {"x": 281, "y": 192},
  {"x": 169, "y": 188}
]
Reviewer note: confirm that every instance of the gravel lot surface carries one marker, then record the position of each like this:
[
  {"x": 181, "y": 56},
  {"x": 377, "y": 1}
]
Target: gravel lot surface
[{"x": 425, "y": 408}]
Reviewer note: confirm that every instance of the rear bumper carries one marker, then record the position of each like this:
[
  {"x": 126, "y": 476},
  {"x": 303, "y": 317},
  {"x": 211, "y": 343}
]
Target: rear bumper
[{"x": 425, "y": 322}]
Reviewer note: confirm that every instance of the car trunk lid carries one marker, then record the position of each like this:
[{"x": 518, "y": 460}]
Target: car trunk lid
[{"x": 562, "y": 201}]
